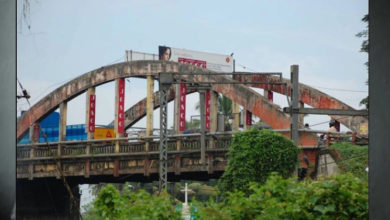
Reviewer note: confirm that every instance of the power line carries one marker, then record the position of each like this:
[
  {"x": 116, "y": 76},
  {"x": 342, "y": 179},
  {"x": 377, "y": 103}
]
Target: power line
[
  {"x": 342, "y": 90},
  {"x": 336, "y": 89},
  {"x": 245, "y": 67}
]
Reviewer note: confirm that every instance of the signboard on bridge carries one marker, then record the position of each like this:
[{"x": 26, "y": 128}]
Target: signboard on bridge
[
  {"x": 211, "y": 61},
  {"x": 104, "y": 133}
]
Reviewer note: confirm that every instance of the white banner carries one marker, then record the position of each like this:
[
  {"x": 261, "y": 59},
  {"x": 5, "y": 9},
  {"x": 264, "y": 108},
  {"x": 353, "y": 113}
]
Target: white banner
[
  {"x": 134, "y": 55},
  {"x": 211, "y": 61}
]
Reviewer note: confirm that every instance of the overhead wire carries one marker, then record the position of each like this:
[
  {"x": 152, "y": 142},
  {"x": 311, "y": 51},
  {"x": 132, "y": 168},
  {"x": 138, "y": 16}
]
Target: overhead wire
[{"x": 342, "y": 90}]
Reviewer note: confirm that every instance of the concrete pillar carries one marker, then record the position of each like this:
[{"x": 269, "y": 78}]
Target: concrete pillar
[
  {"x": 244, "y": 117},
  {"x": 176, "y": 108},
  {"x": 90, "y": 135},
  {"x": 62, "y": 126},
  {"x": 294, "y": 99},
  {"x": 149, "y": 109},
  {"x": 202, "y": 95},
  {"x": 176, "y": 115},
  {"x": 213, "y": 115},
  {"x": 63, "y": 116},
  {"x": 34, "y": 138},
  {"x": 117, "y": 134},
  {"x": 236, "y": 121}
]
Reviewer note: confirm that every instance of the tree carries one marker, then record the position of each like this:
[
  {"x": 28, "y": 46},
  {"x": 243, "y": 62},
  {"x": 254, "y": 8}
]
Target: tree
[
  {"x": 224, "y": 108},
  {"x": 253, "y": 155},
  {"x": 364, "y": 48},
  {"x": 111, "y": 204},
  {"x": 195, "y": 123}
]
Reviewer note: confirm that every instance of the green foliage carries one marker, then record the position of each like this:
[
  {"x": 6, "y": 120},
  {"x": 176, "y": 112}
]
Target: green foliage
[
  {"x": 354, "y": 159},
  {"x": 337, "y": 197},
  {"x": 110, "y": 204},
  {"x": 253, "y": 155},
  {"x": 224, "y": 105},
  {"x": 364, "y": 102},
  {"x": 195, "y": 123},
  {"x": 364, "y": 48}
]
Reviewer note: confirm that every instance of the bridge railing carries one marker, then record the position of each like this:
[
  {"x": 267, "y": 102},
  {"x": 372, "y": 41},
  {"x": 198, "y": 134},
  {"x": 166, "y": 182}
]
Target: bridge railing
[
  {"x": 191, "y": 142},
  {"x": 126, "y": 145}
]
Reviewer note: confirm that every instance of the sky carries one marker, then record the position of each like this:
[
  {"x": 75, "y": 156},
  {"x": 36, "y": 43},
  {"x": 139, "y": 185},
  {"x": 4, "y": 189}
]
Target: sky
[{"x": 69, "y": 38}]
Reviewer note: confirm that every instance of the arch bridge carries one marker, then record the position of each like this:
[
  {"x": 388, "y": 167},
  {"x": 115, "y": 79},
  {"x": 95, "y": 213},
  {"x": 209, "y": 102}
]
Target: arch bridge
[
  {"x": 85, "y": 158},
  {"x": 126, "y": 159}
]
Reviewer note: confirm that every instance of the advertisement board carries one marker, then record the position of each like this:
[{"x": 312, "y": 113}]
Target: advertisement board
[{"x": 211, "y": 61}]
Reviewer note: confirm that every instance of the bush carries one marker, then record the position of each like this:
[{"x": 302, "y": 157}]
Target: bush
[
  {"x": 253, "y": 155},
  {"x": 354, "y": 159},
  {"x": 337, "y": 197},
  {"x": 110, "y": 204}
]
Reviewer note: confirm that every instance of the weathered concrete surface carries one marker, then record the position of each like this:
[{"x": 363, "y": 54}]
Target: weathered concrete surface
[
  {"x": 94, "y": 78},
  {"x": 241, "y": 94},
  {"x": 109, "y": 73},
  {"x": 310, "y": 96},
  {"x": 138, "y": 110}
]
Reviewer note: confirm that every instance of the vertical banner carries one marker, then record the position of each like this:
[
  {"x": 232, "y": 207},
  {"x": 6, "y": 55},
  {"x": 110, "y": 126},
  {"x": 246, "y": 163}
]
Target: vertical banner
[
  {"x": 91, "y": 116},
  {"x": 182, "y": 107},
  {"x": 121, "y": 105},
  {"x": 248, "y": 117},
  {"x": 270, "y": 95},
  {"x": 207, "y": 109}
]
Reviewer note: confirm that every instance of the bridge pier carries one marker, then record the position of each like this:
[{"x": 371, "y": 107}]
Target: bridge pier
[{"x": 45, "y": 198}]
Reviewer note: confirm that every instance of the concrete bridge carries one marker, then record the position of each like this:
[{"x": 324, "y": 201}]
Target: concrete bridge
[{"x": 123, "y": 159}]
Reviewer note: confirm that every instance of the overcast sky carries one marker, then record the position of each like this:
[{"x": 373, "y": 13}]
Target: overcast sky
[{"x": 69, "y": 38}]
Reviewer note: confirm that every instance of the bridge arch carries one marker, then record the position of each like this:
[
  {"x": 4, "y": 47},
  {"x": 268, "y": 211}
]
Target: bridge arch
[
  {"x": 142, "y": 69},
  {"x": 243, "y": 95}
]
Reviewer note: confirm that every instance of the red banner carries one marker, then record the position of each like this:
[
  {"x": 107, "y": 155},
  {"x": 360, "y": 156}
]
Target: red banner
[
  {"x": 248, "y": 118},
  {"x": 183, "y": 92},
  {"x": 207, "y": 109},
  {"x": 92, "y": 112},
  {"x": 199, "y": 63},
  {"x": 270, "y": 95},
  {"x": 182, "y": 107},
  {"x": 121, "y": 105}
]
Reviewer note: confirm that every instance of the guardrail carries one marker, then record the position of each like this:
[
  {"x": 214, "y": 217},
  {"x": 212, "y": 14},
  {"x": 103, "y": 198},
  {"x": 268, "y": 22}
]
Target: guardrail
[
  {"x": 218, "y": 140},
  {"x": 126, "y": 145}
]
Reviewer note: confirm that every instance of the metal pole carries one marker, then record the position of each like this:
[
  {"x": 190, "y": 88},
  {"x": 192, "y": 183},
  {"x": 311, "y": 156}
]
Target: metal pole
[
  {"x": 165, "y": 81},
  {"x": 202, "y": 128},
  {"x": 294, "y": 97}
]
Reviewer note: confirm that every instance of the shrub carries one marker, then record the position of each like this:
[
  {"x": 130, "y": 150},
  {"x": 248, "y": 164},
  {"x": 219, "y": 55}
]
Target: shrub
[
  {"x": 253, "y": 155},
  {"x": 354, "y": 159},
  {"x": 337, "y": 197},
  {"x": 110, "y": 204}
]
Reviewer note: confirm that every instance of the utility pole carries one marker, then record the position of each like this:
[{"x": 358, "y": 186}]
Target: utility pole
[{"x": 294, "y": 97}]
